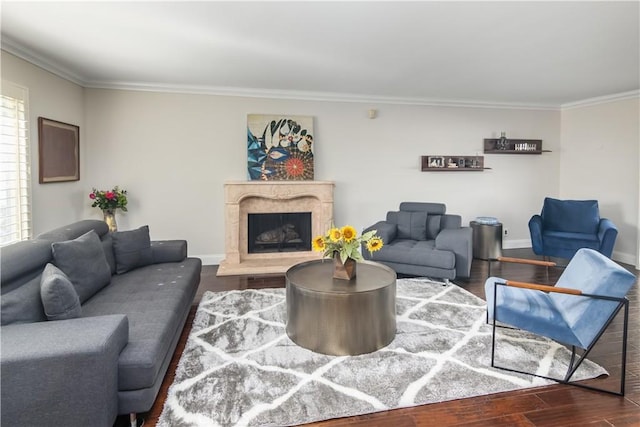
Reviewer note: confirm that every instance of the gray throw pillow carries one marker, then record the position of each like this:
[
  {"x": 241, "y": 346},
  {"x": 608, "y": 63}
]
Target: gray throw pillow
[
  {"x": 84, "y": 262},
  {"x": 132, "y": 249},
  {"x": 59, "y": 297},
  {"x": 412, "y": 225}
]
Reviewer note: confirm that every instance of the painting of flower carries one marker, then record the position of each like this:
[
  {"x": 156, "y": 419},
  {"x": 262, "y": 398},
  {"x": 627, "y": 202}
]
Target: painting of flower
[{"x": 279, "y": 148}]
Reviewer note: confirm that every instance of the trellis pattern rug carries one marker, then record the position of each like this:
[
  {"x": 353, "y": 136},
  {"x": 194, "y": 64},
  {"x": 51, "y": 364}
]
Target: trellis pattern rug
[{"x": 239, "y": 368}]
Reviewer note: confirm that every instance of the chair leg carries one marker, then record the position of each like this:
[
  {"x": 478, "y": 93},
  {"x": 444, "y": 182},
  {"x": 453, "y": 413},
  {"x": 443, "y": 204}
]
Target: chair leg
[{"x": 133, "y": 420}]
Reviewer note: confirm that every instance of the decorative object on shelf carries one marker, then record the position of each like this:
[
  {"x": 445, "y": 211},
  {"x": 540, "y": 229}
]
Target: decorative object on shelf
[
  {"x": 343, "y": 245},
  {"x": 279, "y": 148},
  {"x": 502, "y": 142},
  {"x": 452, "y": 163},
  {"x": 109, "y": 201},
  {"x": 513, "y": 146}
]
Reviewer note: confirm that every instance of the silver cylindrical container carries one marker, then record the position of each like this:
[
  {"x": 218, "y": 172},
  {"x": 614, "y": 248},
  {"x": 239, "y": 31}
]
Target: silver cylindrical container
[{"x": 341, "y": 317}]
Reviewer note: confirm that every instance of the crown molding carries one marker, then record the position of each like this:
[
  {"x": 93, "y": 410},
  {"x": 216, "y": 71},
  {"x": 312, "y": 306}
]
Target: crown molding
[
  {"x": 15, "y": 48},
  {"x": 313, "y": 96},
  {"x": 10, "y": 45},
  {"x": 601, "y": 100}
]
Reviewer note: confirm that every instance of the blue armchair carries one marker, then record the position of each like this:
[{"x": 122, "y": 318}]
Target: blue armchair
[
  {"x": 564, "y": 226},
  {"x": 575, "y": 312}
]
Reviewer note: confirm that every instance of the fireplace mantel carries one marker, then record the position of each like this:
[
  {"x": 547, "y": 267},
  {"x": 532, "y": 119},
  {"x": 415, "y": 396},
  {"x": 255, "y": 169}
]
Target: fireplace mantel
[{"x": 247, "y": 197}]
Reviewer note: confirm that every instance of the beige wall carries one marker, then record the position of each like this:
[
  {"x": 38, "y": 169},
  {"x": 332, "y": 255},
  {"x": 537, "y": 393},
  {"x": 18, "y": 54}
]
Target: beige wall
[
  {"x": 599, "y": 160},
  {"x": 174, "y": 151},
  {"x": 54, "y": 204}
]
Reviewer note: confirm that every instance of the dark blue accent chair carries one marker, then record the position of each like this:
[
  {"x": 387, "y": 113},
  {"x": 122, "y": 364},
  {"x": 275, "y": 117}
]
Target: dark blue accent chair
[{"x": 564, "y": 226}]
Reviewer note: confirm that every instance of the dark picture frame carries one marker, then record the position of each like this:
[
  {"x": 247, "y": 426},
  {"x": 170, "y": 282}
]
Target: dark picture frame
[{"x": 59, "y": 151}]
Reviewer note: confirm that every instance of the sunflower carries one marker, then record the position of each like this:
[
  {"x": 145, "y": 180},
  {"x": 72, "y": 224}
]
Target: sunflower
[
  {"x": 348, "y": 233},
  {"x": 374, "y": 244},
  {"x": 319, "y": 244},
  {"x": 335, "y": 235}
]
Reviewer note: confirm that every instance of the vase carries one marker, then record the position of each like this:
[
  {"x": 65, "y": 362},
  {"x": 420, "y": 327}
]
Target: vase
[
  {"x": 502, "y": 143},
  {"x": 110, "y": 219},
  {"x": 344, "y": 271}
]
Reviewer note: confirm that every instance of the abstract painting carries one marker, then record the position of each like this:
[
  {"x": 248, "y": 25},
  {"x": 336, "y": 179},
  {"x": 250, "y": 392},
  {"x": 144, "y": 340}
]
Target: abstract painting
[{"x": 279, "y": 148}]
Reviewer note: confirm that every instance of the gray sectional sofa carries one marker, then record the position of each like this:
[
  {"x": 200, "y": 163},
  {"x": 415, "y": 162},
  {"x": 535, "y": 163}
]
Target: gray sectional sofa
[
  {"x": 90, "y": 321},
  {"x": 421, "y": 239}
]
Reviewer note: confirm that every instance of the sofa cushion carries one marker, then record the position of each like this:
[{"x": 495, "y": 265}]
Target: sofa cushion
[
  {"x": 416, "y": 252},
  {"x": 433, "y": 226},
  {"x": 23, "y": 304},
  {"x": 569, "y": 241},
  {"x": 574, "y": 216},
  {"x": 84, "y": 262},
  {"x": 166, "y": 292},
  {"x": 107, "y": 246},
  {"x": 132, "y": 249},
  {"x": 412, "y": 225},
  {"x": 59, "y": 297}
]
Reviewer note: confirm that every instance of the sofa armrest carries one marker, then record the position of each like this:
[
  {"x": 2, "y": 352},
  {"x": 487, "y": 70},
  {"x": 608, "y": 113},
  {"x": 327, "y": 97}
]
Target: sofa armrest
[
  {"x": 387, "y": 231},
  {"x": 168, "y": 250},
  {"x": 62, "y": 372},
  {"x": 607, "y": 233},
  {"x": 460, "y": 242},
  {"x": 535, "y": 230},
  {"x": 450, "y": 221}
]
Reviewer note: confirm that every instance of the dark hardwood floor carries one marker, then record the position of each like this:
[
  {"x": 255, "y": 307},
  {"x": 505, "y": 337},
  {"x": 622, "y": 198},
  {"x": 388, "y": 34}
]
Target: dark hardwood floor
[{"x": 555, "y": 405}]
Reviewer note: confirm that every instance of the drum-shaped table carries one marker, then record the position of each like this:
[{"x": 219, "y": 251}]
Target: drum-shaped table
[{"x": 340, "y": 317}]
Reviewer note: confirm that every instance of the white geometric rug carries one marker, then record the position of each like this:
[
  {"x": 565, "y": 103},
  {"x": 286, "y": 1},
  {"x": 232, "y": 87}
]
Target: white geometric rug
[{"x": 239, "y": 368}]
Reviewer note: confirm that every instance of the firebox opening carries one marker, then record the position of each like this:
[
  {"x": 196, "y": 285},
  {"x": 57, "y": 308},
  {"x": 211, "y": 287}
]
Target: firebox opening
[{"x": 279, "y": 232}]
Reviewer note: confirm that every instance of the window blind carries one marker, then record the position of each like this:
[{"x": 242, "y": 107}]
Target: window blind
[{"x": 15, "y": 166}]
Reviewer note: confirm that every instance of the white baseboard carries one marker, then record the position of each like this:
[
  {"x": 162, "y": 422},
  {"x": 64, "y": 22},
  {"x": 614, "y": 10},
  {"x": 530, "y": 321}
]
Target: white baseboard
[
  {"x": 210, "y": 259},
  {"x": 625, "y": 258},
  {"x": 516, "y": 244}
]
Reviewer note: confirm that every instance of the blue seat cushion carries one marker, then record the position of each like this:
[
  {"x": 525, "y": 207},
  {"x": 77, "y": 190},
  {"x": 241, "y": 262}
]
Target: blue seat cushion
[
  {"x": 530, "y": 310},
  {"x": 570, "y": 241}
]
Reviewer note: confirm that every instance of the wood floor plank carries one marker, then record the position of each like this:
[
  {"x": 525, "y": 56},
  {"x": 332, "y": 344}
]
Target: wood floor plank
[
  {"x": 554, "y": 405},
  {"x": 579, "y": 406}
]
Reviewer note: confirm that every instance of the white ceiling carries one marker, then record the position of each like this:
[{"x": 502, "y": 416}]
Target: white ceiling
[{"x": 515, "y": 53}]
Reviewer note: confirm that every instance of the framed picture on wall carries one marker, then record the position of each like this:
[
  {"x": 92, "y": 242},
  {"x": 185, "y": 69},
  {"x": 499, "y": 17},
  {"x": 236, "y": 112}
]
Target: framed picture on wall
[
  {"x": 280, "y": 147},
  {"x": 59, "y": 151},
  {"x": 435, "y": 162}
]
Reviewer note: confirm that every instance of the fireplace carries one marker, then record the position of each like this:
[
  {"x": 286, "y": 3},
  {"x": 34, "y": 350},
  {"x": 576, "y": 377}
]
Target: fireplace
[
  {"x": 282, "y": 203},
  {"x": 279, "y": 232}
]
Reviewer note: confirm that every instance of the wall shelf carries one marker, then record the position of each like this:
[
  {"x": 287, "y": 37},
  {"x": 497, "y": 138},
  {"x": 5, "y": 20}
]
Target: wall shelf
[
  {"x": 513, "y": 146},
  {"x": 438, "y": 163}
]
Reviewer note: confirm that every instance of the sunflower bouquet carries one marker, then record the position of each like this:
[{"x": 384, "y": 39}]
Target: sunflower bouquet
[{"x": 345, "y": 241}]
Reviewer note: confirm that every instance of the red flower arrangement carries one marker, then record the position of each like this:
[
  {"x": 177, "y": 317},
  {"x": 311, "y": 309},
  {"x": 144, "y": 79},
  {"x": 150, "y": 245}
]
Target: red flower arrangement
[{"x": 109, "y": 199}]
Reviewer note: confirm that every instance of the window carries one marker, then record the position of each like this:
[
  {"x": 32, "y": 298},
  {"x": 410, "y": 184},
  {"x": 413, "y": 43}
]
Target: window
[{"x": 15, "y": 166}]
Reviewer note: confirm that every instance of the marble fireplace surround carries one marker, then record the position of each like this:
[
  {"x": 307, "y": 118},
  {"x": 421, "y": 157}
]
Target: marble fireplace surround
[{"x": 250, "y": 197}]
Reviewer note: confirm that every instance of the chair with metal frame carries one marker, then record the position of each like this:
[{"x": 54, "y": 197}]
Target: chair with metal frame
[{"x": 588, "y": 295}]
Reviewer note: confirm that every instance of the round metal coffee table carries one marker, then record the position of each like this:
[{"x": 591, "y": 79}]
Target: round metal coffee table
[{"x": 339, "y": 317}]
